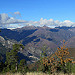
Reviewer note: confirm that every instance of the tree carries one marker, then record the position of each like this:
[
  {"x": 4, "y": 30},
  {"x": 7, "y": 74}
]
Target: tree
[
  {"x": 58, "y": 60},
  {"x": 22, "y": 66},
  {"x": 43, "y": 67},
  {"x": 12, "y": 57}
]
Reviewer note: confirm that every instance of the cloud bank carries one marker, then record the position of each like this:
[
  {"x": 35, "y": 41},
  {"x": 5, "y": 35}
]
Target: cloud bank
[
  {"x": 51, "y": 23},
  {"x": 6, "y": 21},
  {"x": 11, "y": 22}
]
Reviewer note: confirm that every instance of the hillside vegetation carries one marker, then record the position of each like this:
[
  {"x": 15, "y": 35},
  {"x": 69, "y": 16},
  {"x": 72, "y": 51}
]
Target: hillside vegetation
[
  {"x": 39, "y": 54},
  {"x": 61, "y": 61},
  {"x": 34, "y": 38}
]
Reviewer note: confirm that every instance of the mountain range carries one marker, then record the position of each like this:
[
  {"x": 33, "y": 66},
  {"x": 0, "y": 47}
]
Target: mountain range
[{"x": 36, "y": 38}]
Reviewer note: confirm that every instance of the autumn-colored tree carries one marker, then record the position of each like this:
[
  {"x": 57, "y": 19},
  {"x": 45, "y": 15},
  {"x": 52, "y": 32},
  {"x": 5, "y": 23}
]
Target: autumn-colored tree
[{"x": 58, "y": 60}]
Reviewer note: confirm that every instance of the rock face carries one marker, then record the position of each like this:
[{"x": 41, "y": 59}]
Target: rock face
[
  {"x": 2, "y": 40},
  {"x": 35, "y": 38},
  {"x": 7, "y": 43}
]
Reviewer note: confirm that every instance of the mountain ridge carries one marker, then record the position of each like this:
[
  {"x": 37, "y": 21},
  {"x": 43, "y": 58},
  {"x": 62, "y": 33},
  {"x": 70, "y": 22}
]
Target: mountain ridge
[{"x": 34, "y": 38}]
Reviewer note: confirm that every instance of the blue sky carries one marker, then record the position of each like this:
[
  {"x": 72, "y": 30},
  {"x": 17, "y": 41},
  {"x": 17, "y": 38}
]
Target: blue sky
[
  {"x": 40, "y": 12},
  {"x": 35, "y": 9}
]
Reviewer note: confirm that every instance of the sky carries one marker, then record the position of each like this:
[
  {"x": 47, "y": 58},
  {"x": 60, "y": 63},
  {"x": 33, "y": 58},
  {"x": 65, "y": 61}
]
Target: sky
[{"x": 32, "y": 11}]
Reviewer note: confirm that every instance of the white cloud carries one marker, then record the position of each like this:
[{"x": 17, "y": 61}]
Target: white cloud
[
  {"x": 5, "y": 21},
  {"x": 11, "y": 22},
  {"x": 67, "y": 23},
  {"x": 17, "y": 13},
  {"x": 50, "y": 23}
]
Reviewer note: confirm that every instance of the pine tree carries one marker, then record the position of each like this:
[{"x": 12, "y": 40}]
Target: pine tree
[
  {"x": 12, "y": 57},
  {"x": 22, "y": 66}
]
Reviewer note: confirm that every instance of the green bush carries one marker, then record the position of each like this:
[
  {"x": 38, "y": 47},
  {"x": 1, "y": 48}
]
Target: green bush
[{"x": 73, "y": 68}]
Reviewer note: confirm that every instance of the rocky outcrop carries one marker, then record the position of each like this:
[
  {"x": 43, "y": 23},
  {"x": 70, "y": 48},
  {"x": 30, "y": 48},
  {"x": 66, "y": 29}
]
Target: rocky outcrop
[{"x": 7, "y": 43}]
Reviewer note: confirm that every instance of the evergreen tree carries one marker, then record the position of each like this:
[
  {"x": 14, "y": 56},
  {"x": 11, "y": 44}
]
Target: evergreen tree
[
  {"x": 42, "y": 67},
  {"x": 12, "y": 57},
  {"x": 22, "y": 66}
]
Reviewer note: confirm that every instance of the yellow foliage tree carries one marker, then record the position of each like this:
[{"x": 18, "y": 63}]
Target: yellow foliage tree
[{"x": 59, "y": 58}]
